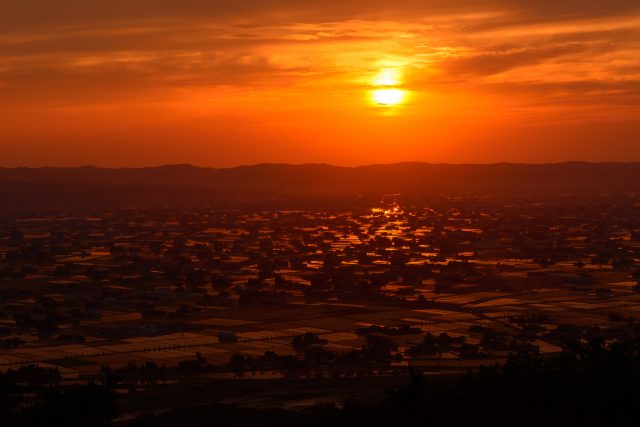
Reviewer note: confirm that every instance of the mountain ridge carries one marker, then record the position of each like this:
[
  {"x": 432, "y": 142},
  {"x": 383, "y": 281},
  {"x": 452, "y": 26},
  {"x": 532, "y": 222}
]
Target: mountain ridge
[{"x": 176, "y": 184}]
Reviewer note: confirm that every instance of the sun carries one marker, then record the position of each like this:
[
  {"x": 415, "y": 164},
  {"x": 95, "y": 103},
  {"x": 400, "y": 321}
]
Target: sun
[
  {"x": 387, "y": 92},
  {"x": 388, "y": 97}
]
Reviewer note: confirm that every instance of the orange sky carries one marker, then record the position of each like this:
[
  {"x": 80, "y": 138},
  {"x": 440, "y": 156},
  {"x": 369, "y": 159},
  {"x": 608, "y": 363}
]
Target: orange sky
[{"x": 219, "y": 83}]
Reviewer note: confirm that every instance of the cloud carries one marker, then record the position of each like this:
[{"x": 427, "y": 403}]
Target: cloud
[
  {"x": 21, "y": 14},
  {"x": 500, "y": 61},
  {"x": 79, "y": 51}
]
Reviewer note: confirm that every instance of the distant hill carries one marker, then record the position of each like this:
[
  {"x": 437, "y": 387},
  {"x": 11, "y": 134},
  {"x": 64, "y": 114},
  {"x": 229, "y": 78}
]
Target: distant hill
[{"x": 178, "y": 184}]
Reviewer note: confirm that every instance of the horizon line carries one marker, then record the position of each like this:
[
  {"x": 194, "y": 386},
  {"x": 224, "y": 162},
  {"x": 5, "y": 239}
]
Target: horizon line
[{"x": 283, "y": 164}]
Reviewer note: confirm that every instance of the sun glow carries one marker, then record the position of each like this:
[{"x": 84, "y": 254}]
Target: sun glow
[
  {"x": 388, "y": 96},
  {"x": 387, "y": 82},
  {"x": 388, "y": 77}
]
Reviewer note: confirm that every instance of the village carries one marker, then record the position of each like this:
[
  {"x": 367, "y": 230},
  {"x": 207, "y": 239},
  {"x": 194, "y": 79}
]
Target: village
[{"x": 269, "y": 294}]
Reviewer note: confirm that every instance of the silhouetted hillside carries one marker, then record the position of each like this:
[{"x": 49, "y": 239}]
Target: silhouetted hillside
[{"x": 188, "y": 184}]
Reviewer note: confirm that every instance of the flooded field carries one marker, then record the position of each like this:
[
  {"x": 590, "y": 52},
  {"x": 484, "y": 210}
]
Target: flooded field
[{"x": 441, "y": 289}]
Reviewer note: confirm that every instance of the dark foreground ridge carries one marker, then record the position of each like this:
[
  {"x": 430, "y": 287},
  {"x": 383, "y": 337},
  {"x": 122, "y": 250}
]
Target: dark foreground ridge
[
  {"x": 179, "y": 184},
  {"x": 587, "y": 385}
]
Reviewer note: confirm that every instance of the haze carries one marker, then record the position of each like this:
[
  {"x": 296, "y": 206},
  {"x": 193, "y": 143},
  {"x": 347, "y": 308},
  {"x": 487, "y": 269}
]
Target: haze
[{"x": 217, "y": 83}]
